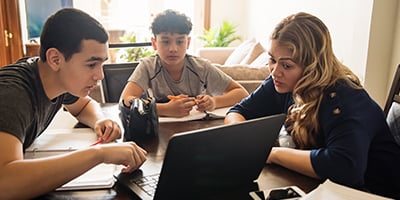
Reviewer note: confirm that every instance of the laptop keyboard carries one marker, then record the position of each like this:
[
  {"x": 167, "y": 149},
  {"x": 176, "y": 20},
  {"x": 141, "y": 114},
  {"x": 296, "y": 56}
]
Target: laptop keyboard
[{"x": 148, "y": 183}]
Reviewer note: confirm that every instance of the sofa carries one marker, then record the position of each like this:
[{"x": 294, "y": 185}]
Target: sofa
[{"x": 246, "y": 63}]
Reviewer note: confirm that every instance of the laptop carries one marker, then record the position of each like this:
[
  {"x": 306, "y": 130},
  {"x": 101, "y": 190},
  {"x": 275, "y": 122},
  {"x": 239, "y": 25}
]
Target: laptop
[{"x": 208, "y": 163}]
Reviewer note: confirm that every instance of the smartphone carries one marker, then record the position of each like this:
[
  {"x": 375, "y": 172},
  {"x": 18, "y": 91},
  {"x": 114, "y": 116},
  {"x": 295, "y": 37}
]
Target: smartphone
[{"x": 285, "y": 193}]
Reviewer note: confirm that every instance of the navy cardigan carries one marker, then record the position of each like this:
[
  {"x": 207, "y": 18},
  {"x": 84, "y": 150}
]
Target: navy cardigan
[{"x": 358, "y": 149}]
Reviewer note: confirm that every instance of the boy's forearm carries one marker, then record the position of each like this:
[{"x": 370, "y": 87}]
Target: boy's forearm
[{"x": 90, "y": 114}]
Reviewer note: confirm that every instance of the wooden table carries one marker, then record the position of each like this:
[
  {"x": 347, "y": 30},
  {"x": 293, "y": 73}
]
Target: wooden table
[{"x": 272, "y": 176}]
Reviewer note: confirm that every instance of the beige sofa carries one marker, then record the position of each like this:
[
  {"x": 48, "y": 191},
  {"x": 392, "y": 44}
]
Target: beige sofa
[{"x": 246, "y": 63}]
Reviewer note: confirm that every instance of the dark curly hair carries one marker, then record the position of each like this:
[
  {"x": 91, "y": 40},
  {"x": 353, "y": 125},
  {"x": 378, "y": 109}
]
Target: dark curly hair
[{"x": 171, "y": 21}]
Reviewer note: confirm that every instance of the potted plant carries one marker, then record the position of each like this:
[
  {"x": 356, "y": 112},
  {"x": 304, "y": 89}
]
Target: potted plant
[
  {"x": 221, "y": 36},
  {"x": 133, "y": 54}
]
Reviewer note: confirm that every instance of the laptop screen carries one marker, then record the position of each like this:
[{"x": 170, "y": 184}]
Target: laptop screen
[{"x": 216, "y": 161}]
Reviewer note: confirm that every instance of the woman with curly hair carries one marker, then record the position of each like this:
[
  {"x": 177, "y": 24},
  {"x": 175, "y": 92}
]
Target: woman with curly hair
[{"x": 339, "y": 132}]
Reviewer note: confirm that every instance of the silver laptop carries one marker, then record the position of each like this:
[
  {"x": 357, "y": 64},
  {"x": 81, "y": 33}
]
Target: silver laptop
[{"x": 210, "y": 163}]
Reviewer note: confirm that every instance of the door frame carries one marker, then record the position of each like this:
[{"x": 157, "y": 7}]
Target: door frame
[{"x": 10, "y": 23}]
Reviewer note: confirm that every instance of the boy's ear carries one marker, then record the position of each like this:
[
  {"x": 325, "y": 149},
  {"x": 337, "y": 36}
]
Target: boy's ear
[
  {"x": 54, "y": 58},
  {"x": 154, "y": 43},
  {"x": 188, "y": 41}
]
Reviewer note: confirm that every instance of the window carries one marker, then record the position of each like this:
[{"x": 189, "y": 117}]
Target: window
[
  {"x": 129, "y": 20},
  {"x": 126, "y": 17}
]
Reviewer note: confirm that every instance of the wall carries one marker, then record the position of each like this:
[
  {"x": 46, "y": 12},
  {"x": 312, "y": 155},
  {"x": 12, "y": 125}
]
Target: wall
[
  {"x": 381, "y": 60},
  {"x": 235, "y": 12}
]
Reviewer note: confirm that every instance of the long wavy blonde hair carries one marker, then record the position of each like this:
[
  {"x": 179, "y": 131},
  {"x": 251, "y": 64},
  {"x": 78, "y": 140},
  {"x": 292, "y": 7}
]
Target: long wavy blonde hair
[{"x": 309, "y": 40}]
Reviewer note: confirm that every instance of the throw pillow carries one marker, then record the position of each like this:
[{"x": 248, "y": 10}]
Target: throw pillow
[
  {"x": 240, "y": 52},
  {"x": 261, "y": 60},
  {"x": 255, "y": 51}
]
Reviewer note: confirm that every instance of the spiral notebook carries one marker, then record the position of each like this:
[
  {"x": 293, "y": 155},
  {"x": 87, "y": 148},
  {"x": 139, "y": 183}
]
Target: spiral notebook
[
  {"x": 58, "y": 141},
  {"x": 197, "y": 115}
]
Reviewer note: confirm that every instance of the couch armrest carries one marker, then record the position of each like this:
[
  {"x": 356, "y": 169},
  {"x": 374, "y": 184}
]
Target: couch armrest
[{"x": 215, "y": 54}]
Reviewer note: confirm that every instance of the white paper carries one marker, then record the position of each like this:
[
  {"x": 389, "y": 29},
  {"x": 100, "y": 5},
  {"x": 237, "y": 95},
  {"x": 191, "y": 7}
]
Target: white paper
[
  {"x": 333, "y": 191},
  {"x": 196, "y": 115},
  {"x": 99, "y": 177},
  {"x": 63, "y": 140},
  {"x": 57, "y": 141}
]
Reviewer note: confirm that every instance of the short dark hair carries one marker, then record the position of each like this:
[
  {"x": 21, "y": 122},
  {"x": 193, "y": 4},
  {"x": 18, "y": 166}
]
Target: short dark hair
[
  {"x": 66, "y": 29},
  {"x": 171, "y": 21}
]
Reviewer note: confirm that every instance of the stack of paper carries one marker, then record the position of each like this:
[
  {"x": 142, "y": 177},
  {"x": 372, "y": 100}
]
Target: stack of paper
[
  {"x": 58, "y": 141},
  {"x": 99, "y": 177},
  {"x": 63, "y": 140},
  {"x": 333, "y": 191},
  {"x": 197, "y": 115}
]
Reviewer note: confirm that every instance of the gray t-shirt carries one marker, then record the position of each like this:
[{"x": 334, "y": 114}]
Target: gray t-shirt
[
  {"x": 198, "y": 76},
  {"x": 25, "y": 110}
]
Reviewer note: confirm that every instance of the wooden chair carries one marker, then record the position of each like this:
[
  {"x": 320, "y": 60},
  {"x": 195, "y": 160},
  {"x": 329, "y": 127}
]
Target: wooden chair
[
  {"x": 115, "y": 79},
  {"x": 392, "y": 106}
]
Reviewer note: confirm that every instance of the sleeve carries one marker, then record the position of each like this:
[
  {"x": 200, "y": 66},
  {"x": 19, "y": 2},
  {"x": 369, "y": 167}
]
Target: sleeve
[
  {"x": 16, "y": 109},
  {"x": 217, "y": 81},
  {"x": 347, "y": 129},
  {"x": 141, "y": 74},
  {"x": 264, "y": 101}
]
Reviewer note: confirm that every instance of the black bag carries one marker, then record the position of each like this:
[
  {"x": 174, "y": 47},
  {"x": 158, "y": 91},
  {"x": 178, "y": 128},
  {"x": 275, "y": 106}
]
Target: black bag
[{"x": 140, "y": 119}]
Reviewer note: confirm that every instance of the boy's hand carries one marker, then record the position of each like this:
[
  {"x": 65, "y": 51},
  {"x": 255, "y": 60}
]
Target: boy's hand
[
  {"x": 107, "y": 129},
  {"x": 181, "y": 105},
  {"x": 205, "y": 103}
]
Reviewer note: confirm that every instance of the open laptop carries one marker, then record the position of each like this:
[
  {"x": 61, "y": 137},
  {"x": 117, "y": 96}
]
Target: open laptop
[{"x": 209, "y": 163}]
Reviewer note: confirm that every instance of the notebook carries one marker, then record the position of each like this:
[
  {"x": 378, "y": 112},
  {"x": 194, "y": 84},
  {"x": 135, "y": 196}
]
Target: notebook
[
  {"x": 208, "y": 163},
  {"x": 59, "y": 141},
  {"x": 197, "y": 115}
]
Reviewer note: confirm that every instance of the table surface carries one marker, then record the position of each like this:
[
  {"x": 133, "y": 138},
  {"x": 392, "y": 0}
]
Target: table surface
[{"x": 272, "y": 176}]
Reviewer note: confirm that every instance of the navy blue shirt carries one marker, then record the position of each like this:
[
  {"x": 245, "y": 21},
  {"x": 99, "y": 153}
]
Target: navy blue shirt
[{"x": 358, "y": 148}]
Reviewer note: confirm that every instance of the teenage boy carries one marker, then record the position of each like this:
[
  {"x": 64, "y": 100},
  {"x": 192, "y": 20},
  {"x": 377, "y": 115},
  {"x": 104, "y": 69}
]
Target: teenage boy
[
  {"x": 72, "y": 51},
  {"x": 189, "y": 80}
]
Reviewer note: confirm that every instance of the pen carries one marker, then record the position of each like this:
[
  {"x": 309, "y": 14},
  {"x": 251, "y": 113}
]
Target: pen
[
  {"x": 99, "y": 141},
  {"x": 172, "y": 97}
]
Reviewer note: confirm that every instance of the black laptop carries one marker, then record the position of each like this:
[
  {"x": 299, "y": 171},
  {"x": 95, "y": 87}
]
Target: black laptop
[{"x": 209, "y": 163}]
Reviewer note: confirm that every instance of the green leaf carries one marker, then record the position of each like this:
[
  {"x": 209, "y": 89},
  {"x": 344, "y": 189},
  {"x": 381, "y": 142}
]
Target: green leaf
[
  {"x": 221, "y": 36},
  {"x": 134, "y": 53}
]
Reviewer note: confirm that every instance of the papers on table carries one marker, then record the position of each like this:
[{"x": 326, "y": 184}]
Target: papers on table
[
  {"x": 63, "y": 140},
  {"x": 99, "y": 177},
  {"x": 197, "y": 115},
  {"x": 57, "y": 141},
  {"x": 333, "y": 191}
]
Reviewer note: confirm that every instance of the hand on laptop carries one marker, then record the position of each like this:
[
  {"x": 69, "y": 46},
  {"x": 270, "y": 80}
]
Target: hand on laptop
[{"x": 128, "y": 154}]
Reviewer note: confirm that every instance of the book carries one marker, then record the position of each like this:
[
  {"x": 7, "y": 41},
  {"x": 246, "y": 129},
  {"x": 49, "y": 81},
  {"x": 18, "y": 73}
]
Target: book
[
  {"x": 99, "y": 177},
  {"x": 197, "y": 115},
  {"x": 334, "y": 191},
  {"x": 57, "y": 141}
]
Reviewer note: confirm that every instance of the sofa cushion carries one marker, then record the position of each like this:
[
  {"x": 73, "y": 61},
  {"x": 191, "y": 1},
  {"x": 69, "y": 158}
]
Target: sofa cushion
[
  {"x": 255, "y": 51},
  {"x": 243, "y": 72},
  {"x": 240, "y": 52},
  {"x": 261, "y": 60}
]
